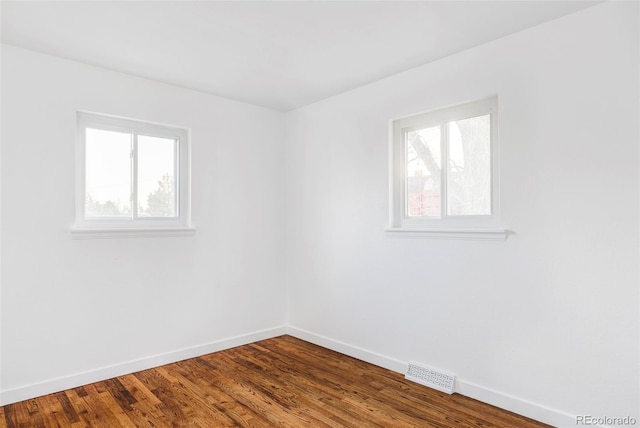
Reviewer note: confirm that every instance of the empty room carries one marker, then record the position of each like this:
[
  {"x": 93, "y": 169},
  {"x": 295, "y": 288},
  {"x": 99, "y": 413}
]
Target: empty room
[{"x": 320, "y": 213}]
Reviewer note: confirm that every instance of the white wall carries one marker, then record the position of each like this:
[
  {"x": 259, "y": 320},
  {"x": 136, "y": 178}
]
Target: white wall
[
  {"x": 545, "y": 323},
  {"x": 110, "y": 305}
]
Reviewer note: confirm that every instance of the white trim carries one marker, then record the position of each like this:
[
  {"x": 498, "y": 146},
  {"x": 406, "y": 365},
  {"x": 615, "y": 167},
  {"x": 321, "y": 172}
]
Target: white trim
[
  {"x": 78, "y": 233},
  {"x": 83, "y": 378},
  {"x": 397, "y": 170},
  {"x": 485, "y": 394},
  {"x": 482, "y": 393},
  {"x": 515, "y": 404},
  {"x": 466, "y": 234},
  {"x": 350, "y": 350},
  {"x": 182, "y": 138}
]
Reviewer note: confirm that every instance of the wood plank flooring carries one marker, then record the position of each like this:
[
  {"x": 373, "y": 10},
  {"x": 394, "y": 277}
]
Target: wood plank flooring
[{"x": 282, "y": 382}]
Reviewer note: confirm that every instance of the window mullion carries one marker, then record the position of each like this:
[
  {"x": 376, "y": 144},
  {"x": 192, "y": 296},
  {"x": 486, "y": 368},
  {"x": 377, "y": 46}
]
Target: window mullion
[
  {"x": 405, "y": 174},
  {"x": 444, "y": 163},
  {"x": 176, "y": 176},
  {"x": 134, "y": 175}
]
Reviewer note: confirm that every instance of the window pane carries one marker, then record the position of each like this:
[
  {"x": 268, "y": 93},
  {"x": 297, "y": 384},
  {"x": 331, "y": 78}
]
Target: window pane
[
  {"x": 469, "y": 167},
  {"x": 423, "y": 172},
  {"x": 108, "y": 173},
  {"x": 156, "y": 177}
]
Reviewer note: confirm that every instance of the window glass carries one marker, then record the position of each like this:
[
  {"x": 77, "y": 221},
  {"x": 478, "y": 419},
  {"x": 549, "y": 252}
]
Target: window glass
[
  {"x": 156, "y": 177},
  {"x": 469, "y": 167},
  {"x": 108, "y": 173},
  {"x": 423, "y": 179}
]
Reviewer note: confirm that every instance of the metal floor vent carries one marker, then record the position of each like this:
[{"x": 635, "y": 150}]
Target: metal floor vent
[{"x": 427, "y": 376}]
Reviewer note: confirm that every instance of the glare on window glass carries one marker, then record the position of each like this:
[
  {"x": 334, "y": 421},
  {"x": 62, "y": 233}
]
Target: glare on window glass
[
  {"x": 156, "y": 177},
  {"x": 423, "y": 187},
  {"x": 469, "y": 167},
  {"x": 108, "y": 173}
]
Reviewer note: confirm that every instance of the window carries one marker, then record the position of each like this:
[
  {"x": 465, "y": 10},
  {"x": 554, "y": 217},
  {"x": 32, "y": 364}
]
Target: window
[
  {"x": 131, "y": 175},
  {"x": 444, "y": 172}
]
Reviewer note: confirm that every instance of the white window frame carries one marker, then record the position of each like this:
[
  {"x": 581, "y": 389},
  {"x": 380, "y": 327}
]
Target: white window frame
[
  {"x": 134, "y": 226},
  {"x": 458, "y": 227}
]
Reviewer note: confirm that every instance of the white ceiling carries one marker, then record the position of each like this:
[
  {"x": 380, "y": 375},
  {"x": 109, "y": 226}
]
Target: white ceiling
[{"x": 281, "y": 55}]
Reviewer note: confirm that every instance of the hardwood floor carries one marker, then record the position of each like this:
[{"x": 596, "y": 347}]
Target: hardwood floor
[{"x": 282, "y": 381}]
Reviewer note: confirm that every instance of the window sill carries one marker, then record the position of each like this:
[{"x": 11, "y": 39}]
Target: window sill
[
  {"x": 96, "y": 233},
  {"x": 465, "y": 234}
]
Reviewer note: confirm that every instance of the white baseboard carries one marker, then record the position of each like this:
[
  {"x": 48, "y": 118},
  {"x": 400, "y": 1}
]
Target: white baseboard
[
  {"x": 78, "y": 379},
  {"x": 486, "y": 395},
  {"x": 517, "y": 405},
  {"x": 350, "y": 350}
]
